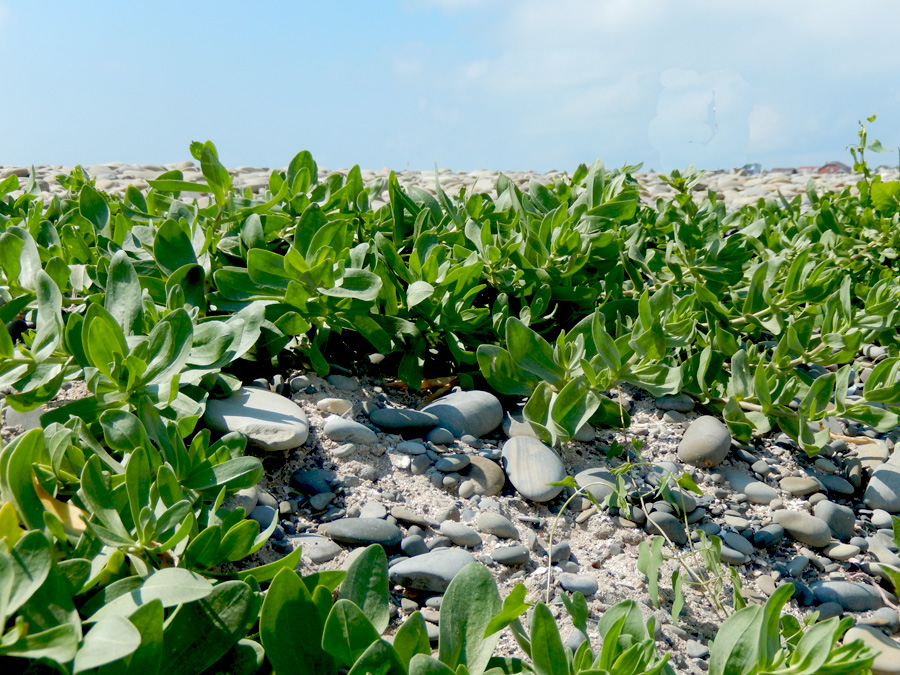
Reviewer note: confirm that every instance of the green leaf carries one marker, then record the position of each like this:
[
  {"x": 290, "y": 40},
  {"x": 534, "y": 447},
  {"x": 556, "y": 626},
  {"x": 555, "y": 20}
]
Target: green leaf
[
  {"x": 172, "y": 248},
  {"x": 469, "y": 604},
  {"x": 201, "y": 632},
  {"x": 49, "y": 323},
  {"x": 501, "y": 372},
  {"x": 678, "y": 593},
  {"x": 108, "y": 640},
  {"x": 59, "y": 644},
  {"x": 417, "y": 292},
  {"x": 423, "y": 664},
  {"x": 169, "y": 185},
  {"x": 814, "y": 405},
  {"x": 357, "y": 284},
  {"x": 366, "y": 585},
  {"x": 93, "y": 207},
  {"x": 347, "y": 633},
  {"x": 736, "y": 647},
  {"x": 412, "y": 639},
  {"x": 123, "y": 294},
  {"x": 30, "y": 564},
  {"x": 532, "y": 353},
  {"x": 574, "y": 405},
  {"x": 514, "y": 605},
  {"x": 547, "y": 650},
  {"x": 17, "y": 476},
  {"x": 238, "y": 473},
  {"x": 103, "y": 339},
  {"x": 290, "y": 628},
  {"x": 146, "y": 659},
  {"x": 379, "y": 659},
  {"x": 171, "y": 586}
]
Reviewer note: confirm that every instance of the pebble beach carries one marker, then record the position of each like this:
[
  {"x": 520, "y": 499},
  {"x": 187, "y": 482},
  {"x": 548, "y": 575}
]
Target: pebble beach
[{"x": 367, "y": 462}]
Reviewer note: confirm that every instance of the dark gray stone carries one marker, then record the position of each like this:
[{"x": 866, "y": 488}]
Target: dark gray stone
[
  {"x": 343, "y": 430},
  {"x": 853, "y": 597},
  {"x": 431, "y": 571},
  {"x": 840, "y": 519},
  {"x": 511, "y": 555},
  {"x": 667, "y": 524},
  {"x": 391, "y": 419},
  {"x": 363, "y": 531},
  {"x": 467, "y": 412}
]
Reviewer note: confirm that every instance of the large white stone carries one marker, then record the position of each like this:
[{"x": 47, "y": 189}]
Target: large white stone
[{"x": 268, "y": 420}]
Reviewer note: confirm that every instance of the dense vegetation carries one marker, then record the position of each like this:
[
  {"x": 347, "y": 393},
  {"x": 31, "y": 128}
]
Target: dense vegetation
[{"x": 112, "y": 522}]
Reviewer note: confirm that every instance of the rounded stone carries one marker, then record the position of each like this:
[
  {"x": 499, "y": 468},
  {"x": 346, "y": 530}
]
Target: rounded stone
[
  {"x": 531, "y": 466},
  {"x": 803, "y": 527},
  {"x": 841, "y": 519},
  {"x": 768, "y": 536},
  {"x": 599, "y": 482},
  {"x": 491, "y": 522},
  {"x": 487, "y": 475},
  {"x": 364, "y": 531},
  {"x": 467, "y": 412},
  {"x": 888, "y": 660},
  {"x": 883, "y": 491},
  {"x": 451, "y": 463},
  {"x": 459, "y": 534},
  {"x": 343, "y": 430},
  {"x": 413, "y": 545},
  {"x": 841, "y": 552},
  {"x": 391, "y": 419},
  {"x": 800, "y": 486},
  {"x": 578, "y": 583},
  {"x": 316, "y": 548},
  {"x": 440, "y": 436},
  {"x": 432, "y": 571},
  {"x": 705, "y": 443},
  {"x": 659, "y": 522},
  {"x": 269, "y": 421},
  {"x": 853, "y": 597},
  {"x": 338, "y": 406},
  {"x": 679, "y": 402},
  {"x": 511, "y": 555}
]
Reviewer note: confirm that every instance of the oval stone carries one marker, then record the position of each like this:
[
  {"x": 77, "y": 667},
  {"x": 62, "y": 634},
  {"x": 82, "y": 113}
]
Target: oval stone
[
  {"x": 803, "y": 527},
  {"x": 531, "y": 466},
  {"x": 431, "y": 571},
  {"x": 467, "y": 412},
  {"x": 705, "y": 443},
  {"x": 268, "y": 420},
  {"x": 362, "y": 531}
]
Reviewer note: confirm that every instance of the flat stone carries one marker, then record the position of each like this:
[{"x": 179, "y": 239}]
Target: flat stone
[
  {"x": 888, "y": 660},
  {"x": 343, "y": 382},
  {"x": 312, "y": 481},
  {"x": 599, "y": 482},
  {"x": 440, "y": 436},
  {"x": 364, "y": 531},
  {"x": 338, "y": 406},
  {"x": 461, "y": 535},
  {"x": 578, "y": 583},
  {"x": 372, "y": 510},
  {"x": 269, "y": 421},
  {"x": 737, "y": 542},
  {"x": 757, "y": 492},
  {"x": 705, "y": 443},
  {"x": 316, "y": 548},
  {"x": 487, "y": 475},
  {"x": 431, "y": 571},
  {"x": 413, "y": 545},
  {"x": 665, "y": 523},
  {"x": 451, "y": 463},
  {"x": 766, "y": 584},
  {"x": 467, "y": 412},
  {"x": 321, "y": 500},
  {"x": 837, "y": 484},
  {"x": 840, "y": 519},
  {"x": 559, "y": 553},
  {"x": 803, "y": 527},
  {"x": 883, "y": 491},
  {"x": 511, "y": 555},
  {"x": 800, "y": 486},
  {"x": 678, "y": 402},
  {"x": 841, "y": 552},
  {"x": 264, "y": 515},
  {"x": 404, "y": 515},
  {"x": 391, "y": 419},
  {"x": 853, "y": 597},
  {"x": 732, "y": 557},
  {"x": 491, "y": 522},
  {"x": 342, "y": 430},
  {"x": 531, "y": 465}
]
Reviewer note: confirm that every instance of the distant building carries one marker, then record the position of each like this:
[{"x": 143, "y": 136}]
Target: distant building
[
  {"x": 834, "y": 167},
  {"x": 788, "y": 170}
]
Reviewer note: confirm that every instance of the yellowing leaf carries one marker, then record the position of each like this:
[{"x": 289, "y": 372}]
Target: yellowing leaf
[
  {"x": 9, "y": 524},
  {"x": 68, "y": 514}
]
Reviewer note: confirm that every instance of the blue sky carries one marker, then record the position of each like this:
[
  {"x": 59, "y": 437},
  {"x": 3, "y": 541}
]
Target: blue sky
[{"x": 469, "y": 84}]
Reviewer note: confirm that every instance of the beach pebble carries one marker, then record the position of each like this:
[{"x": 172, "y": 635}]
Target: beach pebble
[
  {"x": 342, "y": 430},
  {"x": 491, "y": 522},
  {"x": 803, "y": 527},
  {"x": 432, "y": 571},
  {"x": 391, "y": 419},
  {"x": 269, "y": 421},
  {"x": 531, "y": 465},
  {"x": 888, "y": 660},
  {"x": 467, "y": 412},
  {"x": 364, "y": 531},
  {"x": 705, "y": 443},
  {"x": 883, "y": 491},
  {"x": 578, "y": 583}
]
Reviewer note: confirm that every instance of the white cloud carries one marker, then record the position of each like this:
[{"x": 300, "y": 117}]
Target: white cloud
[{"x": 640, "y": 77}]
